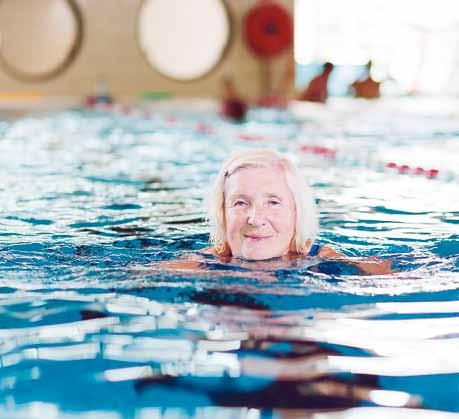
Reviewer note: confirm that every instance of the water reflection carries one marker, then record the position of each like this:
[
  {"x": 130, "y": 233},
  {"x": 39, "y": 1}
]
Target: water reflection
[{"x": 231, "y": 356}]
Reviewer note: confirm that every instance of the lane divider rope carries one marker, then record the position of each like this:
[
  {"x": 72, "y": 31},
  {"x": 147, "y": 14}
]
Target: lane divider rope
[
  {"x": 393, "y": 167},
  {"x": 314, "y": 149}
]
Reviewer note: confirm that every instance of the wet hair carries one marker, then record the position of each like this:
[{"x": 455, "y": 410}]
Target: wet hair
[
  {"x": 306, "y": 225},
  {"x": 328, "y": 66}
]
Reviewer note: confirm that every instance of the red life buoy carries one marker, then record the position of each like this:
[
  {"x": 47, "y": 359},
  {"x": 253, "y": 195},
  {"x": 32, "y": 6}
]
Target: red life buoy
[{"x": 268, "y": 29}]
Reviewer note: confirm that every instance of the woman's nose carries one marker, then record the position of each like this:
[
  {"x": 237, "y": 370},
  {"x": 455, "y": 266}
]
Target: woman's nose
[{"x": 256, "y": 216}]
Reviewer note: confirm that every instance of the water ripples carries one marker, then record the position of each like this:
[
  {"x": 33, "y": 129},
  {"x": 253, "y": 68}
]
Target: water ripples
[{"x": 95, "y": 208}]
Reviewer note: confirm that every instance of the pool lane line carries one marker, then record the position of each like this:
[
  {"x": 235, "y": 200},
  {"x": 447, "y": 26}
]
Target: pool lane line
[
  {"x": 326, "y": 152},
  {"x": 402, "y": 169}
]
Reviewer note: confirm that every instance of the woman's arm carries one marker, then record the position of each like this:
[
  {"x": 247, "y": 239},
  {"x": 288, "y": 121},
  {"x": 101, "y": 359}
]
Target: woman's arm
[
  {"x": 191, "y": 262},
  {"x": 370, "y": 266},
  {"x": 198, "y": 264}
]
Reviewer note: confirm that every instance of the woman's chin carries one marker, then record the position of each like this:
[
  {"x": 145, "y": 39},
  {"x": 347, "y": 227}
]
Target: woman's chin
[{"x": 253, "y": 254}]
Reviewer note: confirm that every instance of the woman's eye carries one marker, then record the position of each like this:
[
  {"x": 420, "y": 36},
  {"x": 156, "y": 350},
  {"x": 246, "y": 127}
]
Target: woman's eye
[
  {"x": 273, "y": 202},
  {"x": 239, "y": 203}
]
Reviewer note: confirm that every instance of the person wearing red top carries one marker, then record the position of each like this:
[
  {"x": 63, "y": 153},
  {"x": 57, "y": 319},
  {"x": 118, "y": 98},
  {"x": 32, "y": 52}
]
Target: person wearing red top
[{"x": 317, "y": 90}]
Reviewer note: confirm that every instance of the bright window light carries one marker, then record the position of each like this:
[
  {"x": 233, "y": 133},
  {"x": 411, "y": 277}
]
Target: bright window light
[{"x": 412, "y": 43}]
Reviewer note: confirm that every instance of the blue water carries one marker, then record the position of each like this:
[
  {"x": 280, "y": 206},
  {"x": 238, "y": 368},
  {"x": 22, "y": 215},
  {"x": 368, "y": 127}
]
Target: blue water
[{"x": 92, "y": 325}]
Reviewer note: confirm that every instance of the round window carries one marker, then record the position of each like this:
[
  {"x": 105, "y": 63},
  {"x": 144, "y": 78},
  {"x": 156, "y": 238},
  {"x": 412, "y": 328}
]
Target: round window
[
  {"x": 183, "y": 41},
  {"x": 38, "y": 39}
]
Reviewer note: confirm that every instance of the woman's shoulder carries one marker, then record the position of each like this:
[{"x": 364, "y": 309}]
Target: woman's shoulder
[
  {"x": 223, "y": 254},
  {"x": 323, "y": 251},
  {"x": 315, "y": 250},
  {"x": 209, "y": 251},
  {"x": 328, "y": 252}
]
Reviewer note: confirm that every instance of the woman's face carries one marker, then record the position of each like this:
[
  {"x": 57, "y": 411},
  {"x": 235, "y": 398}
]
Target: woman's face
[{"x": 259, "y": 213}]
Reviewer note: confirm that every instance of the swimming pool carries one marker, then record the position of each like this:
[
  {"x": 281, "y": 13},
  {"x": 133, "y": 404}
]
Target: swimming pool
[{"x": 90, "y": 326}]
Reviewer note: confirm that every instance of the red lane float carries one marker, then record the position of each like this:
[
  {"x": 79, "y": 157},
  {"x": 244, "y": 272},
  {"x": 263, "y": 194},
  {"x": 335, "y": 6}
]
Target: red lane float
[
  {"x": 268, "y": 29},
  {"x": 320, "y": 150},
  {"x": 250, "y": 137},
  {"x": 204, "y": 128},
  {"x": 420, "y": 171},
  {"x": 126, "y": 109},
  {"x": 399, "y": 168},
  {"x": 432, "y": 173},
  {"x": 93, "y": 104},
  {"x": 93, "y": 101},
  {"x": 171, "y": 120}
]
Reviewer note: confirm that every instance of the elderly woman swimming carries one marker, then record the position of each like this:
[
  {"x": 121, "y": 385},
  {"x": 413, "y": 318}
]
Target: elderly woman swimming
[{"x": 262, "y": 208}]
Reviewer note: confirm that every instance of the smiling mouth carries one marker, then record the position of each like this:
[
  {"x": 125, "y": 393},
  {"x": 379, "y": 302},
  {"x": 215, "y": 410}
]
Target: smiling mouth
[{"x": 257, "y": 238}]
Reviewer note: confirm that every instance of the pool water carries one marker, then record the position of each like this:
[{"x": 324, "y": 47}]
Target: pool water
[{"x": 91, "y": 325}]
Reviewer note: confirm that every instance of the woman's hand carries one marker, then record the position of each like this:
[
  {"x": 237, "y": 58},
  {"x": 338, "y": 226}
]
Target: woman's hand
[
  {"x": 374, "y": 266},
  {"x": 370, "y": 266}
]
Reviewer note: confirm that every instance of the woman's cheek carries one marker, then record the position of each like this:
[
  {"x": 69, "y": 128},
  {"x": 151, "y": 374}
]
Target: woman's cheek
[
  {"x": 235, "y": 215},
  {"x": 279, "y": 213},
  {"x": 239, "y": 212}
]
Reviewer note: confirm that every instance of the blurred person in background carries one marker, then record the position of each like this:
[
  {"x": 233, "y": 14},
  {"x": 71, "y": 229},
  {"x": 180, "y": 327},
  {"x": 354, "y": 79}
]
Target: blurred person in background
[
  {"x": 278, "y": 97},
  {"x": 233, "y": 106},
  {"x": 317, "y": 90},
  {"x": 366, "y": 87}
]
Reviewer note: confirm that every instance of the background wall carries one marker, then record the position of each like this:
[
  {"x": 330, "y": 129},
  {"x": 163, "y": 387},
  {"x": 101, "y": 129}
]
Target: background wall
[{"x": 110, "y": 50}]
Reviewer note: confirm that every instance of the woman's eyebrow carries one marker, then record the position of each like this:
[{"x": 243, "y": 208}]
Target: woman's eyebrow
[
  {"x": 247, "y": 197},
  {"x": 272, "y": 195},
  {"x": 238, "y": 195}
]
